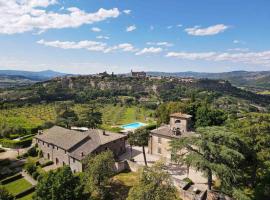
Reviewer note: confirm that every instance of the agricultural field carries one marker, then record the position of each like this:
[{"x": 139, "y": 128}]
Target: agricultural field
[
  {"x": 29, "y": 117},
  {"x": 266, "y": 92}
]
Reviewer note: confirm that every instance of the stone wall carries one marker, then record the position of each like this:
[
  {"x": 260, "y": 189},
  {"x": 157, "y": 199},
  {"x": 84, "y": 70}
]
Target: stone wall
[
  {"x": 160, "y": 146},
  {"x": 59, "y": 156}
]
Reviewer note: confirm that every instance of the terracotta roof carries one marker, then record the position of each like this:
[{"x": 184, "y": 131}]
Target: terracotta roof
[
  {"x": 181, "y": 115},
  {"x": 76, "y": 142}
]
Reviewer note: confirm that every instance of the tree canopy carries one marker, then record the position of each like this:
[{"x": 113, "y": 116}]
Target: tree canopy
[
  {"x": 214, "y": 150},
  {"x": 154, "y": 184},
  {"x": 140, "y": 138},
  {"x": 99, "y": 170},
  {"x": 59, "y": 185}
]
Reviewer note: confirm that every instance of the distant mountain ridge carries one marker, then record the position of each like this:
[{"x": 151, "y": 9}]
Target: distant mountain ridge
[
  {"x": 35, "y": 76},
  {"x": 257, "y": 79},
  {"x": 14, "y": 78}
]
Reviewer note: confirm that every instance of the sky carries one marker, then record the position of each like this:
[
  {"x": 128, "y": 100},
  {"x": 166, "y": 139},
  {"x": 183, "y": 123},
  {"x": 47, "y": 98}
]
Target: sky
[{"x": 91, "y": 36}]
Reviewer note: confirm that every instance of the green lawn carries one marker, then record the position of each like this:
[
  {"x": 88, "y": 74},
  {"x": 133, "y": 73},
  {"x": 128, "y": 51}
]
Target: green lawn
[
  {"x": 27, "y": 197},
  {"x": 122, "y": 184},
  {"x": 17, "y": 186}
]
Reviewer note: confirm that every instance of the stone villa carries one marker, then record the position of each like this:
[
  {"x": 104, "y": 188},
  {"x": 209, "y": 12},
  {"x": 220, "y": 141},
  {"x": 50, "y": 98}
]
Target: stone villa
[
  {"x": 159, "y": 142},
  {"x": 70, "y": 147}
]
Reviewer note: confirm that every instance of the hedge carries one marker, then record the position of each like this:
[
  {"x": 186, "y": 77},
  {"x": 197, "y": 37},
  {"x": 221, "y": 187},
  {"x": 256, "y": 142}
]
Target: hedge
[
  {"x": 16, "y": 143},
  {"x": 46, "y": 164},
  {"x": 11, "y": 178},
  {"x": 25, "y": 192}
]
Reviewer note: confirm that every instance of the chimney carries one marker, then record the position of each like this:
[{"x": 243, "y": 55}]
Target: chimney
[
  {"x": 104, "y": 133},
  {"x": 40, "y": 132},
  {"x": 82, "y": 154}
]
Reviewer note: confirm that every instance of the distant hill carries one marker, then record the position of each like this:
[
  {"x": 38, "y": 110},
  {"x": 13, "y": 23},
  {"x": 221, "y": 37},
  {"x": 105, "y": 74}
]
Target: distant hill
[
  {"x": 258, "y": 80},
  {"x": 13, "y": 78}
]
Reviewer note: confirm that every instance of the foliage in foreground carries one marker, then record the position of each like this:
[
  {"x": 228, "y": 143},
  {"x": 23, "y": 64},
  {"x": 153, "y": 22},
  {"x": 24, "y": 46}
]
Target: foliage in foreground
[
  {"x": 5, "y": 195},
  {"x": 215, "y": 151},
  {"x": 59, "y": 185},
  {"x": 154, "y": 184},
  {"x": 99, "y": 170}
]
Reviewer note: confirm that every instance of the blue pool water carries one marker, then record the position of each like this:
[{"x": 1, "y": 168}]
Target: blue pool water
[{"x": 134, "y": 125}]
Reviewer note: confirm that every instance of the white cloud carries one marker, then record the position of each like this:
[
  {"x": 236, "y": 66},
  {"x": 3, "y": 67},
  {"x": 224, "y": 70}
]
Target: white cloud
[
  {"x": 258, "y": 58},
  {"x": 211, "y": 30},
  {"x": 103, "y": 37},
  {"x": 152, "y": 28},
  {"x": 239, "y": 42},
  {"x": 150, "y": 50},
  {"x": 239, "y": 49},
  {"x": 179, "y": 25},
  {"x": 127, "y": 12},
  {"x": 166, "y": 44},
  {"x": 169, "y": 27},
  {"x": 131, "y": 28},
  {"x": 18, "y": 16},
  {"x": 96, "y": 29},
  {"x": 88, "y": 45}
]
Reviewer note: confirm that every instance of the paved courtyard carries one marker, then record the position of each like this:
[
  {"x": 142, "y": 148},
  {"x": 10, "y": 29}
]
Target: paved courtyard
[{"x": 177, "y": 172}]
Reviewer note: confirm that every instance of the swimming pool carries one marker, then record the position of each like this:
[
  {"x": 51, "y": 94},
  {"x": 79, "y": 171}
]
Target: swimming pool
[{"x": 133, "y": 126}]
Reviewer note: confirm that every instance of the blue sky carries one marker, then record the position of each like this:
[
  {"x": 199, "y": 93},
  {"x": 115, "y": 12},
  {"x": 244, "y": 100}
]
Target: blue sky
[{"x": 90, "y": 36}]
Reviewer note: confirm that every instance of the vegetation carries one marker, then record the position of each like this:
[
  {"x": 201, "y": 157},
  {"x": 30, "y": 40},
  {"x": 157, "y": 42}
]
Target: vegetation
[
  {"x": 99, "y": 170},
  {"x": 5, "y": 195},
  {"x": 213, "y": 151},
  {"x": 140, "y": 138},
  {"x": 122, "y": 183},
  {"x": 59, "y": 185},
  {"x": 154, "y": 184},
  {"x": 17, "y": 186}
]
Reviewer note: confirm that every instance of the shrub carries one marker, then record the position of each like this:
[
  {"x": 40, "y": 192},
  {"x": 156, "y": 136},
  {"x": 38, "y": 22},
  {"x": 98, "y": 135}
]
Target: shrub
[
  {"x": 16, "y": 144},
  {"x": 188, "y": 180},
  {"x": 46, "y": 163},
  {"x": 35, "y": 175},
  {"x": 4, "y": 162},
  {"x": 11, "y": 178},
  {"x": 32, "y": 152},
  {"x": 25, "y": 192},
  {"x": 30, "y": 167}
]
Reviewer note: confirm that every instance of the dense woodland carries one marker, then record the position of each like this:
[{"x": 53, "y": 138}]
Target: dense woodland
[{"x": 233, "y": 125}]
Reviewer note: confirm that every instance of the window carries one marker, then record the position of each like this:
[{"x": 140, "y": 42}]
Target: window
[
  {"x": 177, "y": 121},
  {"x": 159, "y": 140},
  {"x": 48, "y": 145},
  {"x": 73, "y": 160},
  {"x": 159, "y": 150}
]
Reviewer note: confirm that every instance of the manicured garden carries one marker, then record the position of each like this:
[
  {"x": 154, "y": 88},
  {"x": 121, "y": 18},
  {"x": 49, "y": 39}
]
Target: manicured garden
[{"x": 17, "y": 186}]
